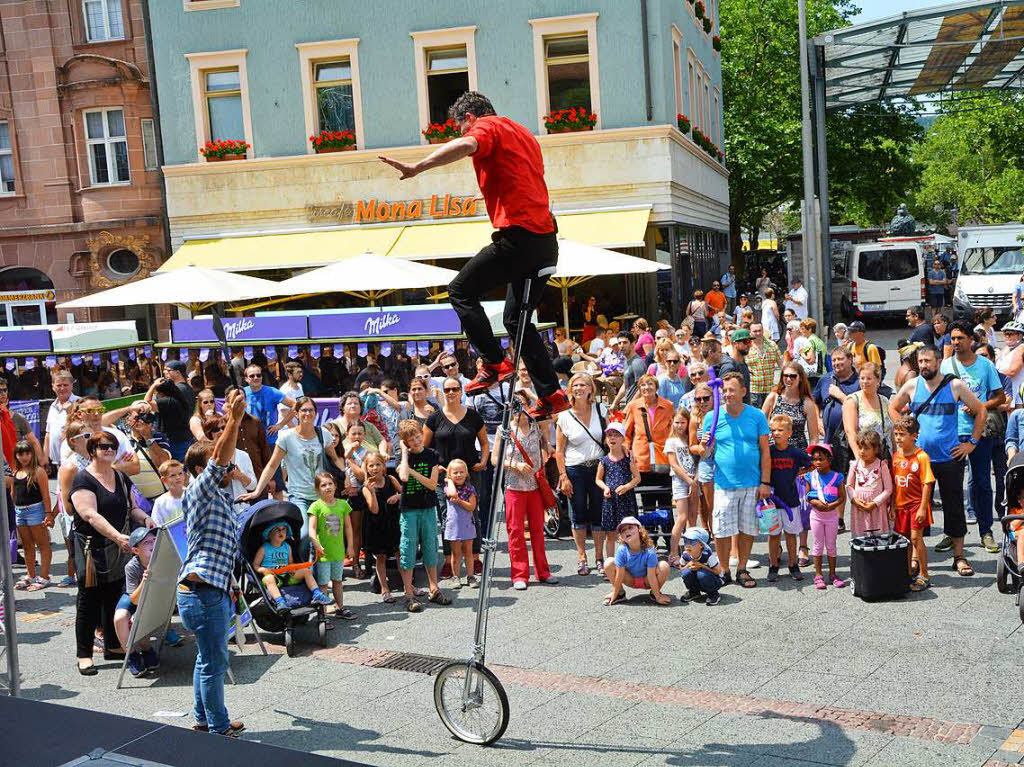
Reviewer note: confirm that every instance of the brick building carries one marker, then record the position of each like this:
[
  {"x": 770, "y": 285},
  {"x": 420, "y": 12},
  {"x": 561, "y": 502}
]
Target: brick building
[{"x": 80, "y": 201}]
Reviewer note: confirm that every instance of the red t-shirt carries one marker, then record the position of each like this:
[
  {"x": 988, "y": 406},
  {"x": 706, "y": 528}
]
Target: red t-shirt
[{"x": 510, "y": 170}]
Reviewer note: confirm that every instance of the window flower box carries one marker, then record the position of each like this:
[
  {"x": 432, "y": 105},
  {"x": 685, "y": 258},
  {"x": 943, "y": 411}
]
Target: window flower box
[
  {"x": 570, "y": 120},
  {"x": 707, "y": 25},
  {"x": 698, "y": 9},
  {"x": 716, "y": 43},
  {"x": 683, "y": 123},
  {"x": 333, "y": 141},
  {"x": 440, "y": 133},
  {"x": 222, "y": 151}
]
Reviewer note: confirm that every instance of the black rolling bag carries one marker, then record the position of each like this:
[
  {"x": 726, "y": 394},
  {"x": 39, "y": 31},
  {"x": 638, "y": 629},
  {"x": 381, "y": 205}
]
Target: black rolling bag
[{"x": 878, "y": 566}]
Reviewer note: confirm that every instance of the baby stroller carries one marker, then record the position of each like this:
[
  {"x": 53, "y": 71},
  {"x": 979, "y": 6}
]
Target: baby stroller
[
  {"x": 1009, "y": 576},
  {"x": 299, "y": 609}
]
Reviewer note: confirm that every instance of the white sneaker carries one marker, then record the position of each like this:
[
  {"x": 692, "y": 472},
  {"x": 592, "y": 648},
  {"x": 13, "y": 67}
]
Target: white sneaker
[
  {"x": 735, "y": 561},
  {"x": 971, "y": 518},
  {"x": 519, "y": 585},
  {"x": 753, "y": 564}
]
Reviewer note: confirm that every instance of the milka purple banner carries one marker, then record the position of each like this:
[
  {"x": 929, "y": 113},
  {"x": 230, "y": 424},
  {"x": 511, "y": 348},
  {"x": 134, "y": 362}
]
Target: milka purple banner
[
  {"x": 25, "y": 341},
  {"x": 394, "y": 322},
  {"x": 241, "y": 329}
]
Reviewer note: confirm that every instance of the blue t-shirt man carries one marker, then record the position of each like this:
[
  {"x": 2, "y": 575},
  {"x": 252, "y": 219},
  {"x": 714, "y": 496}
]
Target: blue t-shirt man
[
  {"x": 738, "y": 447},
  {"x": 262, "y": 405},
  {"x": 728, "y": 283},
  {"x": 981, "y": 377},
  {"x": 936, "y": 274}
]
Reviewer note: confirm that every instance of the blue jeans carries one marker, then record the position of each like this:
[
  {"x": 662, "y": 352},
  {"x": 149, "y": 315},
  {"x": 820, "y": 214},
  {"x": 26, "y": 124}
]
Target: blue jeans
[
  {"x": 206, "y": 612},
  {"x": 979, "y": 486},
  {"x": 702, "y": 581}
]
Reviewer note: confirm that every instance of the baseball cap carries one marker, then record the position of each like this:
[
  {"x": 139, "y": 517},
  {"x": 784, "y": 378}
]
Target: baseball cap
[
  {"x": 856, "y": 327},
  {"x": 696, "y": 534},
  {"x": 740, "y": 335},
  {"x": 627, "y": 521},
  {"x": 176, "y": 365},
  {"x": 819, "y": 446},
  {"x": 139, "y": 534},
  {"x": 615, "y": 426}
]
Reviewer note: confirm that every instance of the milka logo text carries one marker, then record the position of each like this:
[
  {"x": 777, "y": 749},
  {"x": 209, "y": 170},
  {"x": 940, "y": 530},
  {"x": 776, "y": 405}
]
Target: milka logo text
[
  {"x": 233, "y": 330},
  {"x": 376, "y": 325}
]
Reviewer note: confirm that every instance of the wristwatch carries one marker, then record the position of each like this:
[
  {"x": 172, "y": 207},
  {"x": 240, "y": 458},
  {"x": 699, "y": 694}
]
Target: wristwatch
[
  {"x": 973, "y": 440},
  {"x": 766, "y": 483}
]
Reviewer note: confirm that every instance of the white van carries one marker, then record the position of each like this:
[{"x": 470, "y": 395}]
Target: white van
[
  {"x": 886, "y": 277},
  {"x": 991, "y": 264}
]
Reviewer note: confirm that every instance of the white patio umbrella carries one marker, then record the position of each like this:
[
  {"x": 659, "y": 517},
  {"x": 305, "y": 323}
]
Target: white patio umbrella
[
  {"x": 577, "y": 263},
  {"x": 369, "y": 276},
  {"x": 191, "y": 287}
]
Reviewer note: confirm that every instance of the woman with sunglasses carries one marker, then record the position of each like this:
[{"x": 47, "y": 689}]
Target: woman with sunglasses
[
  {"x": 792, "y": 397},
  {"x": 206, "y": 406},
  {"x": 454, "y": 431},
  {"x": 76, "y": 434},
  {"x": 104, "y": 513},
  {"x": 97, "y": 418}
]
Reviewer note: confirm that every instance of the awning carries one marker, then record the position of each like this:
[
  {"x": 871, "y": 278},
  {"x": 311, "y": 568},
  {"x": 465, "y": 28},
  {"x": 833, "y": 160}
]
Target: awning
[
  {"x": 624, "y": 228},
  {"x": 282, "y": 251}
]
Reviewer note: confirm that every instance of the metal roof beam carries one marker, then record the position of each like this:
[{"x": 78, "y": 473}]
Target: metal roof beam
[
  {"x": 831, "y": 36},
  {"x": 900, "y": 37}
]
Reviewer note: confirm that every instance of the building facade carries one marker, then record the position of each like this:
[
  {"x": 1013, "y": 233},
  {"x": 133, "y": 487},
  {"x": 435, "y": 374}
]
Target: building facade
[
  {"x": 242, "y": 70},
  {"x": 80, "y": 200}
]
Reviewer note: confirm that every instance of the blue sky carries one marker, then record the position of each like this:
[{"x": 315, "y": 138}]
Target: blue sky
[{"x": 880, "y": 9}]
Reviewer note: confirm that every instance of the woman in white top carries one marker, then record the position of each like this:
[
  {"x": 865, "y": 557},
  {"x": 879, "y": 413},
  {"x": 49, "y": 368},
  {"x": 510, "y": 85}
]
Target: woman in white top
[
  {"x": 579, "y": 447},
  {"x": 866, "y": 409},
  {"x": 770, "y": 315}
]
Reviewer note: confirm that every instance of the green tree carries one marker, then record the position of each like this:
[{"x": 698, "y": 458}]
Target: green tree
[
  {"x": 870, "y": 147},
  {"x": 973, "y": 159}
]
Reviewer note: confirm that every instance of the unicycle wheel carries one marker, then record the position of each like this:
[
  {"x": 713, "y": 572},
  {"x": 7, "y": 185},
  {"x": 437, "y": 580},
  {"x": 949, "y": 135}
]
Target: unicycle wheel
[{"x": 480, "y": 719}]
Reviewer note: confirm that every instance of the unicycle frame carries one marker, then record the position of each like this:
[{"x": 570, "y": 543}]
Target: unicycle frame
[{"x": 489, "y": 545}]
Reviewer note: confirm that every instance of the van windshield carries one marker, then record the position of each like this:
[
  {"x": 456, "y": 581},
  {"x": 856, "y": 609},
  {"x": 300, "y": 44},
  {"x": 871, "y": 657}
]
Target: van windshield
[
  {"x": 1006, "y": 259},
  {"x": 887, "y": 265}
]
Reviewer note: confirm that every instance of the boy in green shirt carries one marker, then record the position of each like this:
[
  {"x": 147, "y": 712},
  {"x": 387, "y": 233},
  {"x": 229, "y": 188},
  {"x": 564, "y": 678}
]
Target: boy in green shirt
[{"x": 329, "y": 528}]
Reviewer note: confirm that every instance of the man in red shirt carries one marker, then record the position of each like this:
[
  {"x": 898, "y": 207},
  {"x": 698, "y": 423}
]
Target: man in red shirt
[{"x": 510, "y": 171}]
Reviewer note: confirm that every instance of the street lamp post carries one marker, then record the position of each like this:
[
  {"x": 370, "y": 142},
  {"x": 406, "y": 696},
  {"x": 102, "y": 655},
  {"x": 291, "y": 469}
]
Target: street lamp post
[{"x": 811, "y": 243}]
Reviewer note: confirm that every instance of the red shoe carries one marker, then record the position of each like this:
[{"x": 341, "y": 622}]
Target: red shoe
[
  {"x": 489, "y": 375},
  {"x": 478, "y": 567},
  {"x": 549, "y": 405},
  {"x": 446, "y": 571}
]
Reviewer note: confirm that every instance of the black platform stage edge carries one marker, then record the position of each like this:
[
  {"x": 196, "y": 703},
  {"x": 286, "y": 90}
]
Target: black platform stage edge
[{"x": 62, "y": 734}]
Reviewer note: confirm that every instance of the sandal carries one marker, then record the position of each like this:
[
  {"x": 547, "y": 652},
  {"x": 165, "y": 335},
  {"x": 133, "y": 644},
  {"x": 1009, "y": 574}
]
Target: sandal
[
  {"x": 819, "y": 581},
  {"x": 388, "y": 597},
  {"x": 915, "y": 568},
  {"x": 413, "y": 605},
  {"x": 440, "y": 598},
  {"x": 962, "y": 567},
  {"x": 345, "y": 614},
  {"x": 38, "y": 583},
  {"x": 674, "y": 561},
  {"x": 420, "y": 592},
  {"x": 802, "y": 559},
  {"x": 582, "y": 568},
  {"x": 743, "y": 578},
  {"x": 23, "y": 583},
  {"x": 608, "y": 601},
  {"x": 920, "y": 584}
]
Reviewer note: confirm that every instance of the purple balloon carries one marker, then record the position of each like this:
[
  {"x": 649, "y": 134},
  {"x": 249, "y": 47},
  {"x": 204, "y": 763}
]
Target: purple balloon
[{"x": 716, "y": 393}]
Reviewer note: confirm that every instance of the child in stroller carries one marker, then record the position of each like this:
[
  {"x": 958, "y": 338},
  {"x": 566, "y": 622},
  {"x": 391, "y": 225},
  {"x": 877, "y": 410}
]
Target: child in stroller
[
  {"x": 1010, "y": 565},
  {"x": 276, "y": 553}
]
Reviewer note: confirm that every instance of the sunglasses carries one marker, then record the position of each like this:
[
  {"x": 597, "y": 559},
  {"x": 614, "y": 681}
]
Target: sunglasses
[
  {"x": 106, "y": 446},
  {"x": 790, "y": 376},
  {"x": 452, "y": 390},
  {"x": 697, "y": 373},
  {"x": 672, "y": 359},
  {"x": 255, "y": 375},
  {"x": 702, "y": 399},
  {"x": 97, "y": 410},
  {"x": 450, "y": 365},
  {"x": 84, "y": 435}
]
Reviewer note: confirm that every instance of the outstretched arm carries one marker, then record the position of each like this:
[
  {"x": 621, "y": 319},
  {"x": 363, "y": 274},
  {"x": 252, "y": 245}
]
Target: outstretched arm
[{"x": 446, "y": 154}]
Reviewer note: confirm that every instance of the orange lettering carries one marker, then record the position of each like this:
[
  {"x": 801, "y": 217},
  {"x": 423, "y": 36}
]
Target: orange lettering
[
  {"x": 415, "y": 209},
  {"x": 364, "y": 209},
  {"x": 398, "y": 210},
  {"x": 434, "y": 210},
  {"x": 383, "y": 209},
  {"x": 469, "y": 206}
]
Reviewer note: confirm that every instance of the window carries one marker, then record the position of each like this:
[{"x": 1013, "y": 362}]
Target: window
[
  {"x": 209, "y": 5},
  {"x": 220, "y": 97},
  {"x": 692, "y": 81},
  {"x": 103, "y": 20},
  {"x": 6, "y": 160},
  {"x": 122, "y": 263},
  {"x": 107, "y": 147},
  {"x": 447, "y": 79},
  {"x": 677, "y": 67},
  {"x": 222, "y": 91},
  {"x": 333, "y": 83},
  {"x": 445, "y": 69},
  {"x": 568, "y": 72},
  {"x": 565, "y": 60},
  {"x": 717, "y": 135},
  {"x": 149, "y": 153}
]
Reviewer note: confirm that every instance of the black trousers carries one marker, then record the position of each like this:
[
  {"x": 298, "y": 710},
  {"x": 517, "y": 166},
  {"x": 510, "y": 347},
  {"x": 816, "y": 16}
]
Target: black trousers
[
  {"x": 949, "y": 476},
  {"x": 513, "y": 255},
  {"x": 95, "y": 607}
]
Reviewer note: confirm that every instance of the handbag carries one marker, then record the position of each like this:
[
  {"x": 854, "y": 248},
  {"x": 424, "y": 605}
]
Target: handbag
[
  {"x": 657, "y": 468},
  {"x": 599, "y": 442},
  {"x": 99, "y": 560},
  {"x": 547, "y": 495}
]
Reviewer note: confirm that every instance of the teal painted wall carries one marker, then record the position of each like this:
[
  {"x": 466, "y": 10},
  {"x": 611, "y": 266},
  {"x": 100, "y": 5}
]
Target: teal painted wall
[{"x": 269, "y": 29}]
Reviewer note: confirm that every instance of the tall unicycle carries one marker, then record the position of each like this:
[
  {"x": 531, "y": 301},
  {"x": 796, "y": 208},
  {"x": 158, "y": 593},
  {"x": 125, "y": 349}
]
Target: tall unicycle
[{"x": 468, "y": 696}]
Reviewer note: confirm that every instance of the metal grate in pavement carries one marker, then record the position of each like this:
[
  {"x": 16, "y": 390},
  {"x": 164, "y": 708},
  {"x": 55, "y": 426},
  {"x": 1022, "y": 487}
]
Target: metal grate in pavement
[{"x": 410, "y": 661}]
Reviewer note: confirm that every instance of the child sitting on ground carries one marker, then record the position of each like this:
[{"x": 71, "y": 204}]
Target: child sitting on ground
[
  {"x": 702, "y": 572},
  {"x": 787, "y": 463},
  {"x": 329, "y": 529},
  {"x": 827, "y": 493},
  {"x": 913, "y": 507},
  {"x": 635, "y": 564},
  {"x": 869, "y": 486},
  {"x": 143, "y": 657},
  {"x": 684, "y": 483},
  {"x": 167, "y": 507},
  {"x": 617, "y": 475},
  {"x": 459, "y": 527},
  {"x": 276, "y": 552}
]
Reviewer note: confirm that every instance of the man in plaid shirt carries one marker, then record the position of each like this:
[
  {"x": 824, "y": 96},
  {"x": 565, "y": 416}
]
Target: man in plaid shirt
[
  {"x": 204, "y": 601},
  {"x": 764, "y": 362}
]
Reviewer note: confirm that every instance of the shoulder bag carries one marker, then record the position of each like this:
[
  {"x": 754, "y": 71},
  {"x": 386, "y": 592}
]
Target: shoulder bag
[
  {"x": 547, "y": 495},
  {"x": 600, "y": 417},
  {"x": 99, "y": 560},
  {"x": 657, "y": 468}
]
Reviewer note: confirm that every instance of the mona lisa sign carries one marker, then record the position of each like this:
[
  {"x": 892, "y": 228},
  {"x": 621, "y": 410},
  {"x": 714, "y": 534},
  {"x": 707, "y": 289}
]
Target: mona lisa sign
[{"x": 375, "y": 211}]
